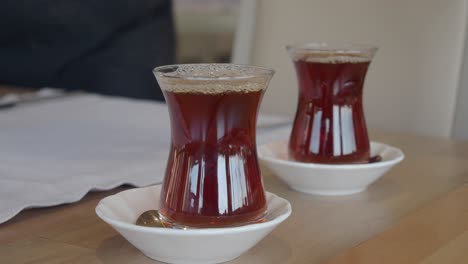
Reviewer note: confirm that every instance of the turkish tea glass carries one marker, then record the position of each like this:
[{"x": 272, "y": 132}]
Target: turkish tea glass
[
  {"x": 213, "y": 177},
  {"x": 329, "y": 125}
]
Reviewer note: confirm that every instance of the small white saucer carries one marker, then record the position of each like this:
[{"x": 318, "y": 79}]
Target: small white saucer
[
  {"x": 323, "y": 179},
  {"x": 203, "y": 245}
]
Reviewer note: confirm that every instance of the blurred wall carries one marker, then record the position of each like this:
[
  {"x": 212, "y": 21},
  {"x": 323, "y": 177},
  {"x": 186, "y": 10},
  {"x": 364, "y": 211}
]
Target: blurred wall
[
  {"x": 412, "y": 83},
  {"x": 460, "y": 126},
  {"x": 205, "y": 29}
]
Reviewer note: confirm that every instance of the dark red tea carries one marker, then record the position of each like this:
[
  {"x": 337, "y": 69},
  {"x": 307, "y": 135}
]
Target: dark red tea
[
  {"x": 213, "y": 177},
  {"x": 329, "y": 126}
]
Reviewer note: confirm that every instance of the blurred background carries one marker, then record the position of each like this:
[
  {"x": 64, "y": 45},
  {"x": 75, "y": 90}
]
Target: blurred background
[
  {"x": 417, "y": 83},
  {"x": 205, "y": 29}
]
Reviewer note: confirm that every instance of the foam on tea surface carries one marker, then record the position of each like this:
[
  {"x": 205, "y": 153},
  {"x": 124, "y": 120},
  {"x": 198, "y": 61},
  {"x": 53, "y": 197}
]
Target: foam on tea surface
[
  {"x": 213, "y": 78},
  {"x": 332, "y": 54},
  {"x": 334, "y": 59}
]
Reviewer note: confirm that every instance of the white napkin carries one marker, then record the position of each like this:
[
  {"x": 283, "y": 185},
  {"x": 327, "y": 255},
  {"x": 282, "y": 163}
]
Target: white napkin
[{"x": 56, "y": 151}]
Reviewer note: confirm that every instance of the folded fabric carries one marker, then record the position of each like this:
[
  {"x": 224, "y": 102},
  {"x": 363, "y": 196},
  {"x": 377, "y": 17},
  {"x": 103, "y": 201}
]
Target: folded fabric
[{"x": 54, "y": 152}]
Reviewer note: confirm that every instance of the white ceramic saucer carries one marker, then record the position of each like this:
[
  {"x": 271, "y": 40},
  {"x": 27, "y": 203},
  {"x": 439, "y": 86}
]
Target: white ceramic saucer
[
  {"x": 323, "y": 179},
  {"x": 203, "y": 245}
]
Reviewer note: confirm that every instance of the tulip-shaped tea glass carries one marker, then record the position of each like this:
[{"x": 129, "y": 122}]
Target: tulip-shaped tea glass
[
  {"x": 329, "y": 126},
  {"x": 212, "y": 177}
]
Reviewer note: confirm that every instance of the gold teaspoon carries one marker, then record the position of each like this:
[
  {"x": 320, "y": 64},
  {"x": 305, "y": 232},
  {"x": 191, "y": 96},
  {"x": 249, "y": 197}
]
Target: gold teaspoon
[{"x": 150, "y": 218}]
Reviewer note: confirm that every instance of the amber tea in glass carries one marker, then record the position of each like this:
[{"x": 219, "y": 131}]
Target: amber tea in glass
[
  {"x": 329, "y": 126},
  {"x": 212, "y": 177}
]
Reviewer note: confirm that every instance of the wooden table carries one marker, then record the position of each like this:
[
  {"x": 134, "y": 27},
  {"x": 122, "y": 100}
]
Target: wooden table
[
  {"x": 319, "y": 229},
  {"x": 438, "y": 233},
  {"x": 4, "y": 89}
]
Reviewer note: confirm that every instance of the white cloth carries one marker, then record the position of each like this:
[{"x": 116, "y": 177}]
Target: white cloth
[{"x": 56, "y": 151}]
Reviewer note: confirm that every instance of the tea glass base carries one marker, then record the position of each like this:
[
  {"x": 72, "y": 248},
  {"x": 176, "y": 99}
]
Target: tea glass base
[
  {"x": 355, "y": 158},
  {"x": 211, "y": 222}
]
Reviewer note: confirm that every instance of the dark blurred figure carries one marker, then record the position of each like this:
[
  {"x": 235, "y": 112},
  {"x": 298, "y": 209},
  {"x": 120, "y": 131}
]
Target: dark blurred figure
[{"x": 102, "y": 46}]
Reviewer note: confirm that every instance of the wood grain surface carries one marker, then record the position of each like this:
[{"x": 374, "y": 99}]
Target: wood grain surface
[
  {"x": 437, "y": 233},
  {"x": 319, "y": 228}
]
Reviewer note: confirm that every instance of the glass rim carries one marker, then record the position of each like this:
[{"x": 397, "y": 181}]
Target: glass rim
[
  {"x": 258, "y": 71},
  {"x": 332, "y": 47}
]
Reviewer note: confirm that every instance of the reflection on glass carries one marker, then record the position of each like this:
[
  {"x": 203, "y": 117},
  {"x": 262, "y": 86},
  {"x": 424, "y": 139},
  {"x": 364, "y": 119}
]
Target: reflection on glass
[
  {"x": 329, "y": 126},
  {"x": 213, "y": 178}
]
